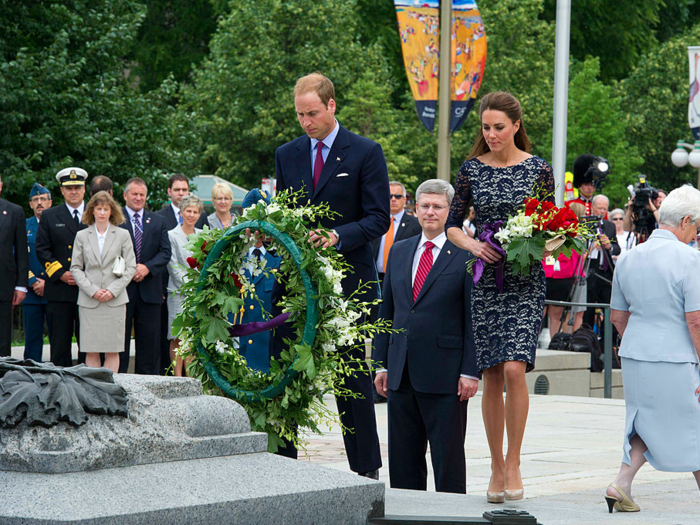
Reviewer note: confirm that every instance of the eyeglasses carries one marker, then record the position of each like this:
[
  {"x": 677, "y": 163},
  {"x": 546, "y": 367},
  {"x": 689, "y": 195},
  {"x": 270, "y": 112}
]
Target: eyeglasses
[
  {"x": 436, "y": 207},
  {"x": 617, "y": 219},
  {"x": 42, "y": 198},
  {"x": 397, "y": 196}
]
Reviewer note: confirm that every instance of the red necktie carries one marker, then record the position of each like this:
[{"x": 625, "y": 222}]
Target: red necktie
[
  {"x": 318, "y": 163},
  {"x": 424, "y": 266}
]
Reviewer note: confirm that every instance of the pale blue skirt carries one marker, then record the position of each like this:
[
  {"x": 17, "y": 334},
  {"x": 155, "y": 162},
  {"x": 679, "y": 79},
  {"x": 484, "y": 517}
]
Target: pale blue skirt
[{"x": 664, "y": 411}]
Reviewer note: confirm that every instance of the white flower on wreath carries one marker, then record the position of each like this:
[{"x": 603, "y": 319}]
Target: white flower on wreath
[
  {"x": 273, "y": 207},
  {"x": 220, "y": 347}
]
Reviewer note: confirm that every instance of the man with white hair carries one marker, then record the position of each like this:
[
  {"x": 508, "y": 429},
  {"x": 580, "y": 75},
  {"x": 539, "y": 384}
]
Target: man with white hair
[
  {"x": 429, "y": 366},
  {"x": 605, "y": 247}
]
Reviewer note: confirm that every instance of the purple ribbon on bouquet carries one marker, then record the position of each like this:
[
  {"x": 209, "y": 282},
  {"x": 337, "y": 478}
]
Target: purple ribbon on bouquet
[
  {"x": 242, "y": 330},
  {"x": 488, "y": 231}
]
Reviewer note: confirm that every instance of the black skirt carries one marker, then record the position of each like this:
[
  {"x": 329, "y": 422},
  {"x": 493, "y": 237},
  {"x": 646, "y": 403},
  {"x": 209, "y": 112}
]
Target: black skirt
[{"x": 559, "y": 289}]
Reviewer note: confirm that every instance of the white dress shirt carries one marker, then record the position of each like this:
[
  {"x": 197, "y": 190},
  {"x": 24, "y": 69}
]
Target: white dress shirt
[{"x": 101, "y": 238}]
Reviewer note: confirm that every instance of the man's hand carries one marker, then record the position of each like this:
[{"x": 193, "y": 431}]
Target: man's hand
[
  {"x": 466, "y": 388},
  {"x": 322, "y": 238},
  {"x": 141, "y": 272},
  {"x": 38, "y": 287},
  {"x": 67, "y": 278},
  {"x": 605, "y": 241},
  {"x": 18, "y": 297},
  {"x": 380, "y": 383}
]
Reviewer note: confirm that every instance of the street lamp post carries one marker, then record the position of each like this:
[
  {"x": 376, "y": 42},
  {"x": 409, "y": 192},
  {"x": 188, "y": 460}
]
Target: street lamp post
[{"x": 680, "y": 157}]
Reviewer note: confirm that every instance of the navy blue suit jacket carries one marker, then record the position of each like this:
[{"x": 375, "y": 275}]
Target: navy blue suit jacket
[
  {"x": 355, "y": 184},
  {"x": 436, "y": 336},
  {"x": 155, "y": 254},
  {"x": 14, "y": 265}
]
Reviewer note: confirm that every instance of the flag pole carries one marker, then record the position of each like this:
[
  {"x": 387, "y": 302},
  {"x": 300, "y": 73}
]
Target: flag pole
[
  {"x": 561, "y": 96},
  {"x": 444, "y": 92}
]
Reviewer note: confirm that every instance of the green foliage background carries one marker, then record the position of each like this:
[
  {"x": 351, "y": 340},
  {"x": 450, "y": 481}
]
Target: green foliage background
[{"x": 151, "y": 87}]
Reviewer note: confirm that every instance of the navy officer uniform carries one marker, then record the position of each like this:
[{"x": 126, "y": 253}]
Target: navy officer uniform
[
  {"x": 256, "y": 347},
  {"x": 34, "y": 306},
  {"x": 54, "y": 247}
]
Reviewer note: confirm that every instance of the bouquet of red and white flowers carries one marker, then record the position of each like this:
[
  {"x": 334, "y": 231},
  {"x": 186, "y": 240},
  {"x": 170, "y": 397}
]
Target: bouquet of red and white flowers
[{"x": 538, "y": 226}]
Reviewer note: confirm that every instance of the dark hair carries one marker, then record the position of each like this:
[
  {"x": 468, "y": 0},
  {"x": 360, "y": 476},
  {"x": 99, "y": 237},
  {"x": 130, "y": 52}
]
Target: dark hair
[
  {"x": 102, "y": 197},
  {"x": 135, "y": 180},
  {"x": 101, "y": 183},
  {"x": 508, "y": 104},
  {"x": 177, "y": 177}
]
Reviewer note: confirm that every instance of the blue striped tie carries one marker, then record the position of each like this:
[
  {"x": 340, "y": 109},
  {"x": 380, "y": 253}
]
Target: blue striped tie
[{"x": 138, "y": 237}]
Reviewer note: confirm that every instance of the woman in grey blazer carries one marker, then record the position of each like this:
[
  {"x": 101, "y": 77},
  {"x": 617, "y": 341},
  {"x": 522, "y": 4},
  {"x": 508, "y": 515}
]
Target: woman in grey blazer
[
  {"x": 102, "y": 295},
  {"x": 656, "y": 308},
  {"x": 191, "y": 208}
]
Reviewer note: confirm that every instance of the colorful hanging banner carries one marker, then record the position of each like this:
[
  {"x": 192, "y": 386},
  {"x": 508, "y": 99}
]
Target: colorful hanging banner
[
  {"x": 419, "y": 24},
  {"x": 468, "y": 59},
  {"x": 694, "y": 98},
  {"x": 419, "y": 28}
]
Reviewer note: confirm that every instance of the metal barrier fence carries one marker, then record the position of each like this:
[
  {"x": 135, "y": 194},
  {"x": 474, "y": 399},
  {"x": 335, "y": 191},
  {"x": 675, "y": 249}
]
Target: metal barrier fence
[{"x": 607, "y": 341}]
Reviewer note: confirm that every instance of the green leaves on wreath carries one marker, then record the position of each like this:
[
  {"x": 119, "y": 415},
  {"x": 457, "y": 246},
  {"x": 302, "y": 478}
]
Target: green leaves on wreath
[
  {"x": 522, "y": 253},
  {"x": 304, "y": 361}
]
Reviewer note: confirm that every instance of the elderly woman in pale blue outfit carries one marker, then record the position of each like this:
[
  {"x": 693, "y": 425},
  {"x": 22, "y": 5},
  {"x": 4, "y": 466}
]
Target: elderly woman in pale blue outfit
[{"x": 656, "y": 308}]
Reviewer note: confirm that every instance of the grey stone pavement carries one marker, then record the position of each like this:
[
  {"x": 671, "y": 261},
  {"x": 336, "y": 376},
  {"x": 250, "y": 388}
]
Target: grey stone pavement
[{"x": 571, "y": 451}]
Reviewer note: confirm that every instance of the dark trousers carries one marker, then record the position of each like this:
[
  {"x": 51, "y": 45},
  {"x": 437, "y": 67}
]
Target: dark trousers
[
  {"x": 416, "y": 419},
  {"x": 599, "y": 290},
  {"x": 34, "y": 315},
  {"x": 164, "y": 341},
  {"x": 145, "y": 319},
  {"x": 5, "y": 328},
  {"x": 64, "y": 322}
]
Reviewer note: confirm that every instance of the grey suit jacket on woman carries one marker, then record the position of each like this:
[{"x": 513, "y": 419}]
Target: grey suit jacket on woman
[{"x": 93, "y": 272}]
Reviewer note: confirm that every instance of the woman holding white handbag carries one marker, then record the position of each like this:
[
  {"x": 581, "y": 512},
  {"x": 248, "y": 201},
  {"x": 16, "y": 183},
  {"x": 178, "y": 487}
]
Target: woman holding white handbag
[{"x": 103, "y": 263}]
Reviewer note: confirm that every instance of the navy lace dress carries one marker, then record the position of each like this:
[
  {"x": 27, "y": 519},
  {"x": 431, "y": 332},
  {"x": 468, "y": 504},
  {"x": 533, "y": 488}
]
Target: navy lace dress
[{"x": 507, "y": 324}]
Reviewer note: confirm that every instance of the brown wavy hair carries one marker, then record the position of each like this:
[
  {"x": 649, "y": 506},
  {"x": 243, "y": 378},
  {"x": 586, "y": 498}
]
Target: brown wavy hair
[
  {"x": 508, "y": 104},
  {"x": 102, "y": 197}
]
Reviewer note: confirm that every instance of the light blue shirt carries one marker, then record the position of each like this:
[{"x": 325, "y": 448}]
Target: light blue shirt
[
  {"x": 380, "y": 255},
  {"x": 327, "y": 145},
  {"x": 658, "y": 282}
]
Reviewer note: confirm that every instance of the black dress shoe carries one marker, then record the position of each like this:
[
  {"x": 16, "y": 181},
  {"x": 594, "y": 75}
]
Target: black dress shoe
[{"x": 372, "y": 474}]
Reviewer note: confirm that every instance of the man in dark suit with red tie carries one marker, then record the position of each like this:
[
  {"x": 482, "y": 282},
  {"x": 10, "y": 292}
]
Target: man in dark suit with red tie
[
  {"x": 336, "y": 167},
  {"x": 429, "y": 366},
  {"x": 14, "y": 268},
  {"x": 152, "y": 249},
  {"x": 54, "y": 247}
]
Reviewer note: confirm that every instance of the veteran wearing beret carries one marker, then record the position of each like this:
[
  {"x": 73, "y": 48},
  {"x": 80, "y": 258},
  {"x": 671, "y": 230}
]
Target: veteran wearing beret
[
  {"x": 34, "y": 304},
  {"x": 54, "y": 244},
  {"x": 14, "y": 265}
]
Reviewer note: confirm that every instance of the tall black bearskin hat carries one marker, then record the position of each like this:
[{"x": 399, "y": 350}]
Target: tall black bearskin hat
[{"x": 582, "y": 173}]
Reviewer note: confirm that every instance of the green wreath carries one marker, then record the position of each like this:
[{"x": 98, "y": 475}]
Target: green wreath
[{"x": 323, "y": 320}]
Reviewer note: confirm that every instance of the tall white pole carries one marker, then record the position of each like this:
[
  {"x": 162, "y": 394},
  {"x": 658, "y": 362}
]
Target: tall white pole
[
  {"x": 561, "y": 96},
  {"x": 444, "y": 92}
]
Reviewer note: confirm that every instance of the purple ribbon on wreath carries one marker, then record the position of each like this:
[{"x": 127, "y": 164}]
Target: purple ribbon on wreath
[
  {"x": 242, "y": 330},
  {"x": 488, "y": 231}
]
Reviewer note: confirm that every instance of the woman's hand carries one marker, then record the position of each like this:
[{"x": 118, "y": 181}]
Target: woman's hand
[
  {"x": 697, "y": 393},
  {"x": 546, "y": 254},
  {"x": 484, "y": 251}
]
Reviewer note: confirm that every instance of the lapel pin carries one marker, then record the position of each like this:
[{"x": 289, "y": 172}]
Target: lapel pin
[
  {"x": 338, "y": 159},
  {"x": 4, "y": 212},
  {"x": 449, "y": 252},
  {"x": 148, "y": 221},
  {"x": 403, "y": 224}
]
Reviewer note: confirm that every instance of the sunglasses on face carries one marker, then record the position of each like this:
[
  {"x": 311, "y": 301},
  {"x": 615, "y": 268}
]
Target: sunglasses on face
[
  {"x": 396, "y": 196},
  {"x": 617, "y": 219}
]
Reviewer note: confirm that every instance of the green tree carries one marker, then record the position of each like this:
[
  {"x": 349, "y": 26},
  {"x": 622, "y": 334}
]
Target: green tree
[
  {"x": 172, "y": 39},
  {"x": 65, "y": 100},
  {"x": 241, "y": 102},
  {"x": 655, "y": 98}
]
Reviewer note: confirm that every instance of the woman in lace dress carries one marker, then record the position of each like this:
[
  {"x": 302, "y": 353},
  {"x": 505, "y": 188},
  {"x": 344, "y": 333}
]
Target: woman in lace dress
[{"x": 496, "y": 178}]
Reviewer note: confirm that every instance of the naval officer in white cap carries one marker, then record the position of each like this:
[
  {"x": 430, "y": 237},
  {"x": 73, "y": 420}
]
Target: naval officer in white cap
[{"x": 54, "y": 245}]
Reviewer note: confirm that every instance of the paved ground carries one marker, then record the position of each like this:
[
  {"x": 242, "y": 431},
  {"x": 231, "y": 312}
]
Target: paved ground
[{"x": 571, "y": 452}]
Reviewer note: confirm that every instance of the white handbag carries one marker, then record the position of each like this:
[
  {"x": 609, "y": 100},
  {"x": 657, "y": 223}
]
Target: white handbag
[{"x": 119, "y": 266}]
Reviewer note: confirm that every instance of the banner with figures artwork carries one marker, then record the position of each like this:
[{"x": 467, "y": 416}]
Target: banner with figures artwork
[
  {"x": 694, "y": 98},
  {"x": 468, "y": 59},
  {"x": 419, "y": 28}
]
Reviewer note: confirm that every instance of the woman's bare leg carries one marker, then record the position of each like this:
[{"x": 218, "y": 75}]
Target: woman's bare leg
[
  {"x": 493, "y": 412},
  {"x": 628, "y": 472},
  {"x": 516, "y": 409}
]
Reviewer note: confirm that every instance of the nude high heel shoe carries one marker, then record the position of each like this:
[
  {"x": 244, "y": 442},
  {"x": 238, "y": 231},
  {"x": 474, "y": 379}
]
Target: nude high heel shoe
[
  {"x": 495, "y": 497},
  {"x": 621, "y": 505}
]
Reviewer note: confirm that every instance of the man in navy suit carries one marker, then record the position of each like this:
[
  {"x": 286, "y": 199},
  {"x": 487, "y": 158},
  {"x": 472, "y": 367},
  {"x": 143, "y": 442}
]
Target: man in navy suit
[
  {"x": 14, "y": 268},
  {"x": 152, "y": 248},
  {"x": 336, "y": 167},
  {"x": 430, "y": 364},
  {"x": 54, "y": 248}
]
